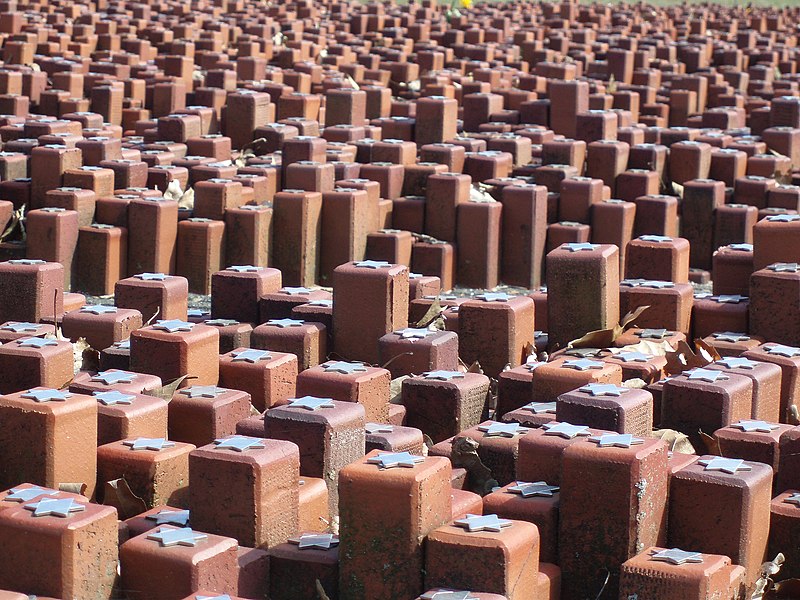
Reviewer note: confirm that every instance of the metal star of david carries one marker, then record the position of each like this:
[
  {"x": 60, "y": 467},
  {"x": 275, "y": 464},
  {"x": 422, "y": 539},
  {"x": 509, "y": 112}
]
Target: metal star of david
[
  {"x": 793, "y": 499},
  {"x": 413, "y": 333},
  {"x": 124, "y": 344},
  {"x": 25, "y": 494},
  {"x": 749, "y": 425},
  {"x": 98, "y": 309},
  {"x": 632, "y": 282},
  {"x": 579, "y": 247},
  {"x": 319, "y": 541},
  {"x": 675, "y": 556},
  {"x": 781, "y": 350},
  {"x": 295, "y": 291},
  {"x": 113, "y": 397},
  {"x": 323, "y": 302},
  {"x": 655, "y": 238},
  {"x": 494, "y": 297},
  {"x": 730, "y": 298},
  {"x": 112, "y": 377},
  {"x": 565, "y": 430},
  {"x": 633, "y": 357},
  {"x": 540, "y": 407},
  {"x": 376, "y": 428},
  {"x": 783, "y": 218},
  {"x": 737, "y": 362},
  {"x": 20, "y": 327},
  {"x": 506, "y": 430},
  {"x": 603, "y": 389},
  {"x": 143, "y": 443},
  {"x": 730, "y": 336},
  {"x": 185, "y": 536},
  {"x": 170, "y": 517},
  {"x": 221, "y": 322},
  {"x": 202, "y": 391},
  {"x": 658, "y": 285},
  {"x": 372, "y": 264},
  {"x": 173, "y": 325},
  {"x": 741, "y": 247},
  {"x": 390, "y": 460},
  {"x": 653, "y": 334},
  {"x": 708, "y": 375},
  {"x": 220, "y": 597},
  {"x": 475, "y": 523},
  {"x": 101, "y": 226},
  {"x": 620, "y": 440},
  {"x": 239, "y": 443},
  {"x": 529, "y": 490},
  {"x": 197, "y": 312},
  {"x": 784, "y": 267},
  {"x": 448, "y": 595},
  {"x": 151, "y": 276},
  {"x": 582, "y": 364},
  {"x": 284, "y": 323},
  {"x": 27, "y": 261},
  {"x": 343, "y": 367},
  {"x": 34, "y": 342},
  {"x": 311, "y": 403},
  {"x": 726, "y": 465},
  {"x": 244, "y": 268},
  {"x": 47, "y": 395},
  {"x": 251, "y": 356},
  {"x": 442, "y": 375},
  {"x": 55, "y": 507}
]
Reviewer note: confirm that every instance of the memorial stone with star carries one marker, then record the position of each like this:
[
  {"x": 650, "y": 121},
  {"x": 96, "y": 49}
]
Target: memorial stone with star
[
  {"x": 31, "y": 290},
  {"x": 670, "y": 303},
  {"x": 669, "y": 573},
  {"x": 49, "y": 437},
  {"x": 608, "y": 406},
  {"x": 721, "y": 505},
  {"x": 785, "y": 526},
  {"x": 330, "y": 435},
  {"x": 393, "y": 438},
  {"x": 58, "y": 545},
  {"x": 370, "y": 299},
  {"x": 754, "y": 440},
  {"x": 496, "y": 329},
  {"x": 269, "y": 377},
  {"x": 532, "y": 501},
  {"x": 348, "y": 381},
  {"x": 458, "y": 556},
  {"x": 443, "y": 402},
  {"x": 775, "y": 301},
  {"x": 788, "y": 359},
  {"x": 101, "y": 325},
  {"x": 115, "y": 379},
  {"x": 415, "y": 499},
  {"x": 246, "y": 488},
  {"x": 155, "y": 517},
  {"x": 567, "y": 373},
  {"x": 597, "y": 533},
  {"x": 279, "y": 304},
  {"x": 173, "y": 348},
  {"x": 33, "y": 361},
  {"x": 176, "y": 561},
  {"x": 156, "y": 469},
  {"x": 414, "y": 350},
  {"x": 155, "y": 295},
  {"x": 297, "y": 566},
  {"x": 308, "y": 340},
  {"x": 237, "y": 291},
  {"x": 199, "y": 414},
  {"x": 703, "y": 399}
]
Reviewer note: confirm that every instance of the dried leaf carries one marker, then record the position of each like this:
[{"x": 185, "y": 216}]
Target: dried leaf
[
  {"x": 17, "y": 219},
  {"x": 612, "y": 84},
  {"x": 320, "y": 590},
  {"x": 683, "y": 358},
  {"x": 475, "y": 368},
  {"x": 601, "y": 338},
  {"x": 628, "y": 320},
  {"x": 528, "y": 350},
  {"x": 677, "y": 189},
  {"x": 117, "y": 493},
  {"x": 153, "y": 318},
  {"x": 434, "y": 310},
  {"x": 677, "y": 441},
  {"x": 794, "y": 415},
  {"x": 174, "y": 191},
  {"x": 396, "y": 389},
  {"x": 186, "y": 200},
  {"x": 634, "y": 384},
  {"x": 352, "y": 82},
  {"x": 711, "y": 444},
  {"x": 166, "y": 392},
  {"x": 649, "y": 347},
  {"x": 476, "y": 194},
  {"x": 73, "y": 488},
  {"x": 706, "y": 351},
  {"x": 85, "y": 357}
]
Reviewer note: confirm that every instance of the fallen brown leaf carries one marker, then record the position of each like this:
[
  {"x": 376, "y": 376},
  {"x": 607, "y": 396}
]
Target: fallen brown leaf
[
  {"x": 166, "y": 392},
  {"x": 711, "y": 444},
  {"x": 73, "y": 488},
  {"x": 676, "y": 441},
  {"x": 117, "y": 493}
]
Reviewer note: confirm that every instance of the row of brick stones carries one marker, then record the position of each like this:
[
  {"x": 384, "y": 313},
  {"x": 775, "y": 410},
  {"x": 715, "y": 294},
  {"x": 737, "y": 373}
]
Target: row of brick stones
[{"x": 333, "y": 412}]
